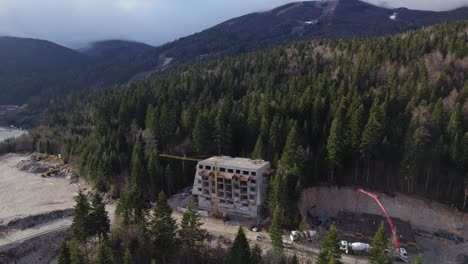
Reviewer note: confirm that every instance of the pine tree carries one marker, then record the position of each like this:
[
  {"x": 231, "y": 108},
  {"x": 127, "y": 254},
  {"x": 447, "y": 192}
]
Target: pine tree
[
  {"x": 372, "y": 134},
  {"x": 335, "y": 145},
  {"x": 276, "y": 192},
  {"x": 256, "y": 255},
  {"x": 303, "y": 225},
  {"x": 200, "y": 134},
  {"x": 189, "y": 232},
  {"x": 455, "y": 131},
  {"x": 154, "y": 175},
  {"x": 103, "y": 255},
  {"x": 76, "y": 255},
  {"x": 438, "y": 115},
  {"x": 127, "y": 258},
  {"x": 332, "y": 260},
  {"x": 294, "y": 260},
  {"x": 138, "y": 171},
  {"x": 258, "y": 149},
  {"x": 64, "y": 254},
  {"x": 240, "y": 250},
  {"x": 99, "y": 218},
  {"x": 330, "y": 248},
  {"x": 81, "y": 221},
  {"x": 138, "y": 184},
  {"x": 276, "y": 232},
  {"x": 289, "y": 156},
  {"x": 162, "y": 230},
  {"x": 418, "y": 260},
  {"x": 150, "y": 119},
  {"x": 378, "y": 254},
  {"x": 123, "y": 210}
]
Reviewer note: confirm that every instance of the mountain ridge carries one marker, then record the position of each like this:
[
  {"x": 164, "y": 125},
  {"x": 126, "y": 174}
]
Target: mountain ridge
[{"x": 118, "y": 61}]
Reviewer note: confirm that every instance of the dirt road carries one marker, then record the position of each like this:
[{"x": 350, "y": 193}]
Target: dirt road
[
  {"x": 303, "y": 251},
  {"x": 23, "y": 194},
  {"x": 39, "y": 230}
]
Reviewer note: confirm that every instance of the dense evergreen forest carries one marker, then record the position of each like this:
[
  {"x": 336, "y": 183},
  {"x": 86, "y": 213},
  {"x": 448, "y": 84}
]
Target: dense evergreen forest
[{"x": 388, "y": 113}]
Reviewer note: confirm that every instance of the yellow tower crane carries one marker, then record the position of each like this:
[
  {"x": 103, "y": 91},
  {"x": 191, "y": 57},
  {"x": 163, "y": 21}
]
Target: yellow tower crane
[{"x": 216, "y": 214}]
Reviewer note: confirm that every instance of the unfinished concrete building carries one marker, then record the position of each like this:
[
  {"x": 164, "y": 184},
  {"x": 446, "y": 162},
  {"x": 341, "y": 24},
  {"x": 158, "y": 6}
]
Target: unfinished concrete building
[{"x": 241, "y": 185}]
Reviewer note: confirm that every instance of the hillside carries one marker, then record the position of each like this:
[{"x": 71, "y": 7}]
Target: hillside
[
  {"x": 388, "y": 113},
  {"x": 298, "y": 21},
  {"x": 31, "y": 67},
  {"x": 111, "y": 62}
]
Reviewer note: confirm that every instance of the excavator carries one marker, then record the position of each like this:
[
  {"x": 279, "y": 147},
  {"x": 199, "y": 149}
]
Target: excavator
[
  {"x": 216, "y": 213},
  {"x": 400, "y": 253}
]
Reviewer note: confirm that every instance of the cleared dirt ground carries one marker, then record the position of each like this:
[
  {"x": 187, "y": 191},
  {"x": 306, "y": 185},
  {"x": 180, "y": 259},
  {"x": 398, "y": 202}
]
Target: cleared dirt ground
[
  {"x": 420, "y": 212},
  {"x": 24, "y": 194}
]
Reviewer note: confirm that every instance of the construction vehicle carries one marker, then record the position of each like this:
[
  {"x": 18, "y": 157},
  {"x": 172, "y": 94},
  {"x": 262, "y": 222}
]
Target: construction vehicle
[
  {"x": 287, "y": 243},
  {"x": 49, "y": 172},
  {"x": 400, "y": 253},
  {"x": 351, "y": 248},
  {"x": 216, "y": 213},
  {"x": 307, "y": 235}
]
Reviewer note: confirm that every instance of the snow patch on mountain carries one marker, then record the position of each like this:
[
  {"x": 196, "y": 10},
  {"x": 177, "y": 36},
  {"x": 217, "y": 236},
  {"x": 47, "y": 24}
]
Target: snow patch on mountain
[{"x": 393, "y": 16}]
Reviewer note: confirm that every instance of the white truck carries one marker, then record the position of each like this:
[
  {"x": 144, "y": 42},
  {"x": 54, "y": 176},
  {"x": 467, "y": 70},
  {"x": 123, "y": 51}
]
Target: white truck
[
  {"x": 350, "y": 248},
  {"x": 307, "y": 235},
  {"x": 287, "y": 243}
]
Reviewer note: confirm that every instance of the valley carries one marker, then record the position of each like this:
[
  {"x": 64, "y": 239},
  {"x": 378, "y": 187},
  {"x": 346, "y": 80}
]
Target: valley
[{"x": 313, "y": 132}]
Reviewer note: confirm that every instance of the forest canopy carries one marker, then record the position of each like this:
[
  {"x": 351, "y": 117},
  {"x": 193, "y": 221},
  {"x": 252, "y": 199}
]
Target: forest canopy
[{"x": 388, "y": 113}]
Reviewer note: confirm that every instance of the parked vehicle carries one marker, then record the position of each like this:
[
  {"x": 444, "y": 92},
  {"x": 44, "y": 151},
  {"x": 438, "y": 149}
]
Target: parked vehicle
[
  {"x": 287, "y": 243},
  {"x": 307, "y": 235}
]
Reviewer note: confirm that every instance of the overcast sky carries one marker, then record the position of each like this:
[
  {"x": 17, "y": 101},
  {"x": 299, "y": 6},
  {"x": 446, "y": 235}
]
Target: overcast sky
[{"x": 74, "y": 23}]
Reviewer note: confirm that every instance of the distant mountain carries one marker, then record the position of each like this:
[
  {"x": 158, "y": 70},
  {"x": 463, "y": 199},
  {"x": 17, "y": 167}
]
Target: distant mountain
[
  {"x": 111, "y": 50},
  {"x": 299, "y": 21},
  {"x": 33, "y": 67},
  {"x": 115, "y": 61}
]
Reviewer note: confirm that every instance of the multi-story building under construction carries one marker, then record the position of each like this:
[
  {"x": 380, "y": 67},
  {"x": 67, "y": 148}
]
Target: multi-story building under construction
[{"x": 241, "y": 185}]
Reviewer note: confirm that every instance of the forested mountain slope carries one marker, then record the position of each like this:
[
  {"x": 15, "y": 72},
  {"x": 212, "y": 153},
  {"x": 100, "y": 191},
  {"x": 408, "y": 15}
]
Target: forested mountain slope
[
  {"x": 39, "y": 68},
  {"x": 115, "y": 61},
  {"x": 30, "y": 66},
  {"x": 388, "y": 113}
]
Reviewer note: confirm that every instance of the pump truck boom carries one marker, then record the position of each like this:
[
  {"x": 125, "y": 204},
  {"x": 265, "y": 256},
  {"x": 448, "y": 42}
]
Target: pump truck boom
[{"x": 401, "y": 252}]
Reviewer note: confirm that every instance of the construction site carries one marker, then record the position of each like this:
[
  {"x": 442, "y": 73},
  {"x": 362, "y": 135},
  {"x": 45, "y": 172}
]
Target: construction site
[
  {"x": 233, "y": 186},
  {"x": 234, "y": 189}
]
